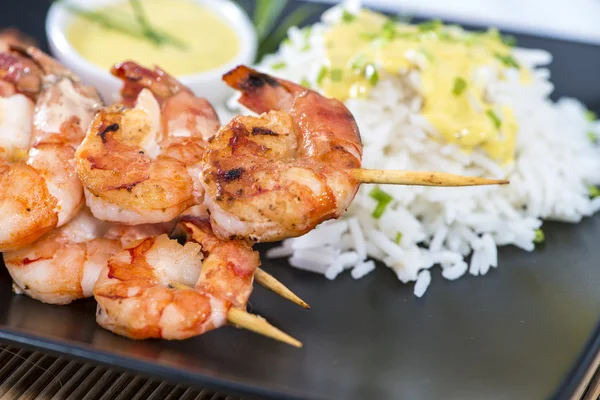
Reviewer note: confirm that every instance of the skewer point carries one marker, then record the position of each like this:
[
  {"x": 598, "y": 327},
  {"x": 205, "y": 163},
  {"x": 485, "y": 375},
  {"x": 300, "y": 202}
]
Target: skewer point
[
  {"x": 268, "y": 281},
  {"x": 259, "y": 325}
]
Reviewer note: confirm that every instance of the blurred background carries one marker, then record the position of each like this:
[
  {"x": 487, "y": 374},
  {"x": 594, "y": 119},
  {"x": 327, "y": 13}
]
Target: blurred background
[{"x": 573, "y": 20}]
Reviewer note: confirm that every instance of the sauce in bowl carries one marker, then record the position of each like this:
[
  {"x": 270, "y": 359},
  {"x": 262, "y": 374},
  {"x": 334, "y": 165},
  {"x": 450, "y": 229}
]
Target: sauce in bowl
[{"x": 207, "y": 41}]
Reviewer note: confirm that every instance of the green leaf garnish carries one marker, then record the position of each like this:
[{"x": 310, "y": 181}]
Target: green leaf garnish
[
  {"x": 428, "y": 26},
  {"x": 266, "y": 13},
  {"x": 495, "y": 119},
  {"x": 322, "y": 74},
  {"x": 371, "y": 74},
  {"x": 279, "y": 65},
  {"x": 273, "y": 38},
  {"x": 507, "y": 60},
  {"x": 398, "y": 238},
  {"x": 336, "y": 74},
  {"x": 383, "y": 200},
  {"x": 459, "y": 86},
  {"x": 539, "y": 236},
  {"x": 593, "y": 191},
  {"x": 348, "y": 17}
]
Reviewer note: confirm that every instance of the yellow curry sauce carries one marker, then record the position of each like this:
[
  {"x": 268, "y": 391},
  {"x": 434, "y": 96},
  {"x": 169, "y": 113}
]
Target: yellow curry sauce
[
  {"x": 361, "y": 46},
  {"x": 209, "y": 41}
]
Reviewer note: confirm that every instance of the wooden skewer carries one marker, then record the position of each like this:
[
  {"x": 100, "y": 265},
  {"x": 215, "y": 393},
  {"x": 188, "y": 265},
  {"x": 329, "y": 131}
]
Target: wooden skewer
[
  {"x": 419, "y": 178},
  {"x": 251, "y": 322},
  {"x": 265, "y": 279},
  {"x": 268, "y": 281},
  {"x": 259, "y": 325}
]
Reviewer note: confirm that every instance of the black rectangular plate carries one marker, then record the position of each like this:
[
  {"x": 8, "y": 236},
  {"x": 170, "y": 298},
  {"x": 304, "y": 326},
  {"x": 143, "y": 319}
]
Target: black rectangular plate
[{"x": 527, "y": 330}]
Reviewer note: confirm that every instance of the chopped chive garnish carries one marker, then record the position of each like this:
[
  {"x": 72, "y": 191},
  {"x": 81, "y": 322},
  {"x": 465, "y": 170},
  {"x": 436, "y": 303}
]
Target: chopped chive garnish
[
  {"x": 429, "y": 25},
  {"x": 427, "y": 54},
  {"x": 590, "y": 116},
  {"x": 383, "y": 200},
  {"x": 322, "y": 74},
  {"x": 306, "y": 32},
  {"x": 592, "y": 136},
  {"x": 497, "y": 121},
  {"x": 348, "y": 17},
  {"x": 304, "y": 82},
  {"x": 539, "y": 236},
  {"x": 371, "y": 74},
  {"x": 336, "y": 74},
  {"x": 389, "y": 25},
  {"x": 279, "y": 65},
  {"x": 398, "y": 238},
  {"x": 459, "y": 86},
  {"x": 593, "y": 191},
  {"x": 389, "y": 29},
  {"x": 509, "y": 40},
  {"x": 358, "y": 61},
  {"x": 368, "y": 36},
  {"x": 507, "y": 60}
]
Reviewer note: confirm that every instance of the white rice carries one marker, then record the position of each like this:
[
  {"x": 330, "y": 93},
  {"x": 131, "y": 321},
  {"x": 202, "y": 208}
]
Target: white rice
[{"x": 442, "y": 226}]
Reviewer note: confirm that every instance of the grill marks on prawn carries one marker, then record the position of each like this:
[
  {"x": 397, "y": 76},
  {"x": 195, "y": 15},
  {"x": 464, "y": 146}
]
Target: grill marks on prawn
[{"x": 110, "y": 128}]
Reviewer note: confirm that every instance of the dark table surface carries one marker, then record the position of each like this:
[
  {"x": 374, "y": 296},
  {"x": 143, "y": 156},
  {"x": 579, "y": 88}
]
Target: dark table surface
[{"x": 524, "y": 331}]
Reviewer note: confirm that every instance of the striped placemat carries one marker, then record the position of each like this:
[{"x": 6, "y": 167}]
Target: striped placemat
[{"x": 28, "y": 375}]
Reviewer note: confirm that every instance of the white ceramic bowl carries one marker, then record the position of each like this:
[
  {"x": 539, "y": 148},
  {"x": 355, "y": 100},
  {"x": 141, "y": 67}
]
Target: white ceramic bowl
[{"x": 206, "y": 84}]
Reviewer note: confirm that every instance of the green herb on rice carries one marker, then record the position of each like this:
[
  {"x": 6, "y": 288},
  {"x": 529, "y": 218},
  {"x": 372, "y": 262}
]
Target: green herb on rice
[
  {"x": 539, "y": 236},
  {"x": 337, "y": 74},
  {"x": 590, "y": 115},
  {"x": 459, "y": 86},
  {"x": 358, "y": 62},
  {"x": 383, "y": 200},
  {"x": 592, "y": 136},
  {"x": 507, "y": 60},
  {"x": 429, "y": 26},
  {"x": 494, "y": 117},
  {"x": 322, "y": 74},
  {"x": 371, "y": 74},
  {"x": 398, "y": 238},
  {"x": 348, "y": 16},
  {"x": 305, "y": 82},
  {"x": 279, "y": 65},
  {"x": 593, "y": 191}
]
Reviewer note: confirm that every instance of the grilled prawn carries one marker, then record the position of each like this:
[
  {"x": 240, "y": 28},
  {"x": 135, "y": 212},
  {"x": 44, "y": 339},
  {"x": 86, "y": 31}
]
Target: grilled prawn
[
  {"x": 44, "y": 112},
  {"x": 283, "y": 172},
  {"x": 139, "y": 160}
]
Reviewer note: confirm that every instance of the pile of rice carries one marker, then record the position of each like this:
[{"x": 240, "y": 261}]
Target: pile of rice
[{"x": 556, "y": 162}]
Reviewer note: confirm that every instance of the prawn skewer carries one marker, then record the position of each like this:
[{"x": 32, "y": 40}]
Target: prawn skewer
[
  {"x": 138, "y": 160},
  {"x": 46, "y": 112},
  {"x": 261, "y": 277},
  {"x": 294, "y": 166},
  {"x": 63, "y": 265},
  {"x": 160, "y": 289}
]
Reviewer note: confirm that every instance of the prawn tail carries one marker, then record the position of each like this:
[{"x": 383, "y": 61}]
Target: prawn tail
[
  {"x": 17, "y": 72},
  {"x": 50, "y": 66},
  {"x": 260, "y": 92},
  {"x": 136, "y": 78}
]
